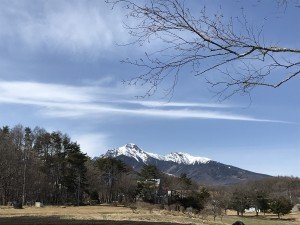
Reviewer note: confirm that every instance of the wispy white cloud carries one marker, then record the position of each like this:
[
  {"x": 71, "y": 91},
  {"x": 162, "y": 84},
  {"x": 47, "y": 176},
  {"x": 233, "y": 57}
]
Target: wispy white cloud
[
  {"x": 37, "y": 92},
  {"x": 154, "y": 104},
  {"x": 73, "y": 102},
  {"x": 96, "y": 110},
  {"x": 70, "y": 26}
]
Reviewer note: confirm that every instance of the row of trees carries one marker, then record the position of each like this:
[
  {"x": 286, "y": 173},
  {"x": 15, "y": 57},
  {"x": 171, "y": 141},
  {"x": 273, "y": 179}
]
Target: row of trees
[
  {"x": 117, "y": 182},
  {"x": 37, "y": 165},
  {"x": 277, "y": 195},
  {"x": 48, "y": 167},
  {"x": 112, "y": 181}
]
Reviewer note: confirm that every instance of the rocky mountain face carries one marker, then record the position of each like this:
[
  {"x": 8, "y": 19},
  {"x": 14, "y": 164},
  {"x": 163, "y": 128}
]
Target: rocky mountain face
[{"x": 200, "y": 169}]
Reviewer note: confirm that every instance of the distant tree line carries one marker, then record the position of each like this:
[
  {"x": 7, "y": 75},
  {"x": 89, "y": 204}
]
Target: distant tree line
[
  {"x": 36, "y": 165},
  {"x": 277, "y": 195},
  {"x": 39, "y": 166}
]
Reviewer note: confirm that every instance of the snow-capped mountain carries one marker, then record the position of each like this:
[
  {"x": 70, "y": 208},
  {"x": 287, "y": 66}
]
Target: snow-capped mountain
[
  {"x": 133, "y": 151},
  {"x": 185, "y": 158},
  {"x": 200, "y": 169}
]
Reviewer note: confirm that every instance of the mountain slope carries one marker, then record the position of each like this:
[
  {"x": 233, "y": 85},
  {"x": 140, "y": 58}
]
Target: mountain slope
[{"x": 200, "y": 169}]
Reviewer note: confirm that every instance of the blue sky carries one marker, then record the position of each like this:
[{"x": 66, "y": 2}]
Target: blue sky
[{"x": 60, "y": 69}]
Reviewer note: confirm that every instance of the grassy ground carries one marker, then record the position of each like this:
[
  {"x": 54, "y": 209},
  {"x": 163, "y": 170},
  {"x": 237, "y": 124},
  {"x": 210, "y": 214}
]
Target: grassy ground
[{"x": 100, "y": 215}]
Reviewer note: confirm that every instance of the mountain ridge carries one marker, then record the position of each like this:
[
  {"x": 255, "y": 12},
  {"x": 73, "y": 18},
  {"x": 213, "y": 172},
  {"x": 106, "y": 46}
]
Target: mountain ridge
[
  {"x": 132, "y": 150},
  {"x": 200, "y": 169}
]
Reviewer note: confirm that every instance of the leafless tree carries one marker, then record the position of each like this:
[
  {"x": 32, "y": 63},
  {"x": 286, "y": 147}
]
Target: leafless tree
[{"x": 203, "y": 44}]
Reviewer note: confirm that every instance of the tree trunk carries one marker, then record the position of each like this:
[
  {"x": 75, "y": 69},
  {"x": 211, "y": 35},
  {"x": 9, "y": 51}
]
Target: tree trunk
[{"x": 24, "y": 184}]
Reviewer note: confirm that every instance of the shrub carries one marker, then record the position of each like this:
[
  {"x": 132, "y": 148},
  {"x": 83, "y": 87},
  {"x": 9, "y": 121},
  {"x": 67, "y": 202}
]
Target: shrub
[{"x": 281, "y": 206}]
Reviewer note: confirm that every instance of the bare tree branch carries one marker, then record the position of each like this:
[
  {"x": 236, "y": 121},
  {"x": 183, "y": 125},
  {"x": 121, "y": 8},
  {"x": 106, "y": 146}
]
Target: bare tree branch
[{"x": 203, "y": 44}]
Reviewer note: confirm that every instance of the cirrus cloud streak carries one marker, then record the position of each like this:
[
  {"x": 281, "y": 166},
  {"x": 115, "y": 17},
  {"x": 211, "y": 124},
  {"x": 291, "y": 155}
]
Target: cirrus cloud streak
[{"x": 74, "y": 102}]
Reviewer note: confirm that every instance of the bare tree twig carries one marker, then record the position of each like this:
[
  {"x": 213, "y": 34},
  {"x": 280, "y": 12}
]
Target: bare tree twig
[{"x": 203, "y": 44}]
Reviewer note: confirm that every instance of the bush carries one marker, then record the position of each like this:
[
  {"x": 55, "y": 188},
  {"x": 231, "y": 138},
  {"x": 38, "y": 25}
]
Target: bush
[
  {"x": 196, "y": 200},
  {"x": 281, "y": 206},
  {"x": 17, "y": 205}
]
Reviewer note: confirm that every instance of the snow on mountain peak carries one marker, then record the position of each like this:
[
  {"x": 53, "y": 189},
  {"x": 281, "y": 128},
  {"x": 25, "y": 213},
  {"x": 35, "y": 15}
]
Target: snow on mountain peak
[
  {"x": 131, "y": 145},
  {"x": 185, "y": 158},
  {"x": 133, "y": 151}
]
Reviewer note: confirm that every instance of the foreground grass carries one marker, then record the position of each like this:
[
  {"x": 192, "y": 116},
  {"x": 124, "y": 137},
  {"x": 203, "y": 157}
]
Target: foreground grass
[{"x": 100, "y": 215}]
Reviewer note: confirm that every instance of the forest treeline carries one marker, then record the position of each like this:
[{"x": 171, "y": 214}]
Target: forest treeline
[
  {"x": 36, "y": 165},
  {"x": 48, "y": 167}
]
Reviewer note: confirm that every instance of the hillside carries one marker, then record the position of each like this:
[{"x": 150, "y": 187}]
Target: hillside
[{"x": 200, "y": 169}]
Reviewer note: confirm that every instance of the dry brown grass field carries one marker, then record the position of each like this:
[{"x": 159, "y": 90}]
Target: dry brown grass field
[{"x": 102, "y": 215}]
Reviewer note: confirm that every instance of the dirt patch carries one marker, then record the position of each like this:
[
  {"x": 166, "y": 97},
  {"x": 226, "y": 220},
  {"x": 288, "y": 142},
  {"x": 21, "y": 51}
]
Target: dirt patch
[{"x": 58, "y": 221}]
